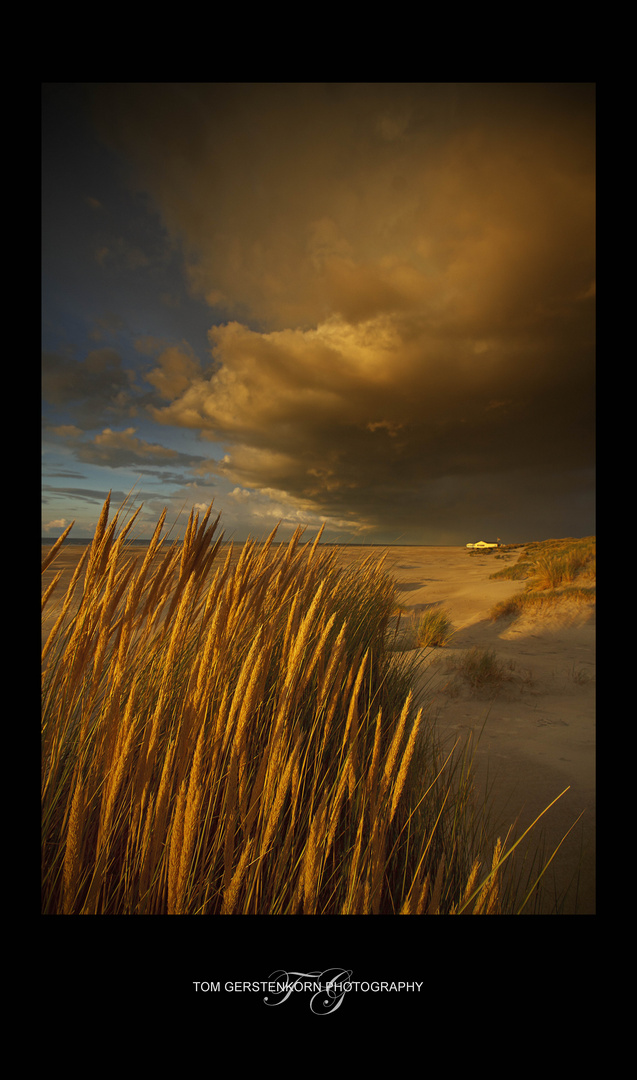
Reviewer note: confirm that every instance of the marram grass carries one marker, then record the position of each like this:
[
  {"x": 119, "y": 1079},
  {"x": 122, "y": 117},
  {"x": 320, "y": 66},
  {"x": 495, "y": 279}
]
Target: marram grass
[
  {"x": 555, "y": 571},
  {"x": 434, "y": 629},
  {"x": 228, "y": 734}
]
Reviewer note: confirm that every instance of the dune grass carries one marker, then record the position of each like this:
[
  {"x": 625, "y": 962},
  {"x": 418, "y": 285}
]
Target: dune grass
[
  {"x": 482, "y": 673},
  {"x": 555, "y": 571},
  {"x": 482, "y": 670},
  {"x": 434, "y": 629},
  {"x": 227, "y": 733}
]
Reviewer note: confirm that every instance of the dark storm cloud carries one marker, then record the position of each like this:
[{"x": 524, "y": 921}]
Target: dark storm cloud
[
  {"x": 88, "y": 390},
  {"x": 409, "y": 277}
]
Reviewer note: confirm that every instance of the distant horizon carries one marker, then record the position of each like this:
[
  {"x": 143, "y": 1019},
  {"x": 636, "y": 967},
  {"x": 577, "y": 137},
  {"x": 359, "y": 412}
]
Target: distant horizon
[
  {"x": 328, "y": 543},
  {"x": 231, "y": 540}
]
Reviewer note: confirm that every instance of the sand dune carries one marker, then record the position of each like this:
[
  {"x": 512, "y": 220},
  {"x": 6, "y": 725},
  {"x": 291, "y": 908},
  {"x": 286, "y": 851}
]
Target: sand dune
[{"x": 537, "y": 731}]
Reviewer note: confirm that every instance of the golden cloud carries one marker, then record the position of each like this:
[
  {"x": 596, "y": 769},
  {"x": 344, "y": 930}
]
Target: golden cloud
[{"x": 406, "y": 271}]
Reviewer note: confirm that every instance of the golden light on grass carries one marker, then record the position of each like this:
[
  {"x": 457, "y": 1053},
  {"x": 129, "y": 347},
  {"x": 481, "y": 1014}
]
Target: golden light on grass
[
  {"x": 435, "y": 628},
  {"x": 229, "y": 733},
  {"x": 555, "y": 571}
]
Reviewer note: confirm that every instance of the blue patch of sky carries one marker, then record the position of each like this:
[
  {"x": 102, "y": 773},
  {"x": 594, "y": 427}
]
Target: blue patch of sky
[
  {"x": 110, "y": 276},
  {"x": 114, "y": 259}
]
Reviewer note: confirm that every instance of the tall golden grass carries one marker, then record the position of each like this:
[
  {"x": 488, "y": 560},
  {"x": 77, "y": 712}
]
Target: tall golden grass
[
  {"x": 555, "y": 570},
  {"x": 229, "y": 733}
]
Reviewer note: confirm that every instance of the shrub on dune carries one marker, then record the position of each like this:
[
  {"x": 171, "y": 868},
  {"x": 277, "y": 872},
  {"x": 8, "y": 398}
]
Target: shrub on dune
[{"x": 435, "y": 628}]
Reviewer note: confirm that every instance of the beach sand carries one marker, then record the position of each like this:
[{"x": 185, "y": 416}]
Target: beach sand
[{"x": 535, "y": 736}]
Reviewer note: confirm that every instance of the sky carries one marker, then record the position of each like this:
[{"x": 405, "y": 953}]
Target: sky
[{"x": 368, "y": 307}]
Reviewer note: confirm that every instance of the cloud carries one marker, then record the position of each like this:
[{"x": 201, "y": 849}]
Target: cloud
[
  {"x": 83, "y": 506},
  {"x": 89, "y": 388},
  {"x": 357, "y": 420},
  {"x": 268, "y": 507},
  {"x": 125, "y": 449},
  {"x": 109, "y": 323},
  {"x": 177, "y": 367},
  {"x": 405, "y": 274},
  {"x": 91, "y": 495},
  {"x": 297, "y": 201},
  {"x": 126, "y": 440},
  {"x": 100, "y": 373},
  {"x": 98, "y": 387},
  {"x": 120, "y": 253}
]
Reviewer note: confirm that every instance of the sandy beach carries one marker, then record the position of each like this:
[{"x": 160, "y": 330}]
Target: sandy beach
[{"x": 534, "y": 734}]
